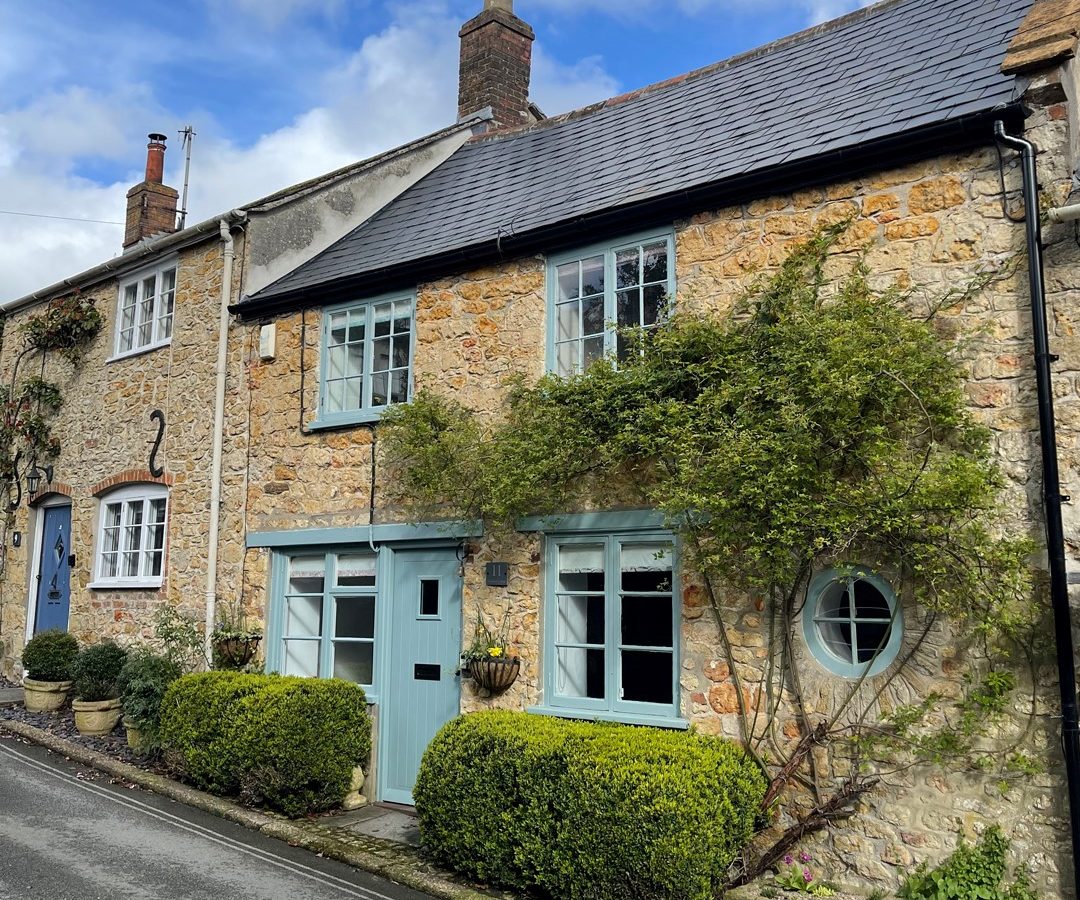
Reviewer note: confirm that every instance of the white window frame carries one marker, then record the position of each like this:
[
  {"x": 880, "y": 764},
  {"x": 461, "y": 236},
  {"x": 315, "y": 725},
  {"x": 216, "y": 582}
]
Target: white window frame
[
  {"x": 609, "y": 252},
  {"x": 128, "y": 498},
  {"x": 154, "y": 314}
]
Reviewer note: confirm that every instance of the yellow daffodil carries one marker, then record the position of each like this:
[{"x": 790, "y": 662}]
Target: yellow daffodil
[{"x": 495, "y": 651}]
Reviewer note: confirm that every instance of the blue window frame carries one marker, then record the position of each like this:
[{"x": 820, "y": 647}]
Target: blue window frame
[
  {"x": 323, "y": 615},
  {"x": 853, "y": 623},
  {"x": 612, "y": 626},
  {"x": 367, "y": 356},
  {"x": 599, "y": 295}
]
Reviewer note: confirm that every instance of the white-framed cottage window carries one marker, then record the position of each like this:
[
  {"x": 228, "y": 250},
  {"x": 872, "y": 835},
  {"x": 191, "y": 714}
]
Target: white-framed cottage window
[
  {"x": 599, "y": 298},
  {"x": 326, "y": 611},
  {"x": 367, "y": 352},
  {"x": 853, "y": 622},
  {"x": 612, "y": 638},
  {"x": 131, "y": 537},
  {"x": 145, "y": 309}
]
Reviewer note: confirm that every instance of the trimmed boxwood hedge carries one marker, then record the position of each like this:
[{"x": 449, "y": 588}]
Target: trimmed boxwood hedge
[
  {"x": 289, "y": 743},
  {"x": 586, "y": 810}
]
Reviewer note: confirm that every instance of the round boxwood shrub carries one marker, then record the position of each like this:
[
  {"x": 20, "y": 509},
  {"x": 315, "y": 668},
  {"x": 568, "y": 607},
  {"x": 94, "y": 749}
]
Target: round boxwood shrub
[
  {"x": 298, "y": 740},
  {"x": 96, "y": 671},
  {"x": 144, "y": 679},
  {"x": 289, "y": 743},
  {"x": 585, "y": 810},
  {"x": 198, "y": 718},
  {"x": 49, "y": 656}
]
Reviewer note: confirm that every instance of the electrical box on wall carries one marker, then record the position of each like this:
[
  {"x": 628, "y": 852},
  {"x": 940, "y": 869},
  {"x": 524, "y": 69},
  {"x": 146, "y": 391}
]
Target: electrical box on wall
[
  {"x": 496, "y": 574},
  {"x": 268, "y": 341}
]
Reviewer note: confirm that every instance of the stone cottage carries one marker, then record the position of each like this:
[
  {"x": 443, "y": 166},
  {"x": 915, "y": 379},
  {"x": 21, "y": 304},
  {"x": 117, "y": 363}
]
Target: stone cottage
[
  {"x": 526, "y": 249},
  {"x": 142, "y": 505},
  {"x": 510, "y": 244}
]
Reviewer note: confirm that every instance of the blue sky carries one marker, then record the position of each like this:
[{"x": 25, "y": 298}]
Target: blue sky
[{"x": 281, "y": 90}]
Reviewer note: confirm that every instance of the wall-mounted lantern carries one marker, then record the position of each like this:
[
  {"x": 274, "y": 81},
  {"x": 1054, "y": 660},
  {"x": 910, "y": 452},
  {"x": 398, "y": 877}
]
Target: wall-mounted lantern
[{"x": 33, "y": 478}]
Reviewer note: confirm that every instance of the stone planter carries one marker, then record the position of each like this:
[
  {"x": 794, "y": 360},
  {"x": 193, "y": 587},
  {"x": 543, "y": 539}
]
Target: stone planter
[
  {"x": 96, "y": 717},
  {"x": 495, "y": 674},
  {"x": 44, "y": 696},
  {"x": 136, "y": 737}
]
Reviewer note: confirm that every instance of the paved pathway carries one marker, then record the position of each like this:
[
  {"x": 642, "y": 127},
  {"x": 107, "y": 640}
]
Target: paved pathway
[
  {"x": 11, "y": 696},
  {"x": 66, "y": 832}
]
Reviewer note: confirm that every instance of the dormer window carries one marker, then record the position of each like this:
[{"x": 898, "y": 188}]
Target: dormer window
[{"x": 144, "y": 310}]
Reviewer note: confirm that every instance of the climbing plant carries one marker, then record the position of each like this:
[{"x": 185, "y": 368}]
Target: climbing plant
[
  {"x": 67, "y": 325},
  {"x": 821, "y": 423}
]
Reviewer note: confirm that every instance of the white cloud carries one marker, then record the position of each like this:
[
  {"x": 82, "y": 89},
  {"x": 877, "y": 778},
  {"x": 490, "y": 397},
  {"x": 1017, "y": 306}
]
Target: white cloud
[{"x": 400, "y": 84}]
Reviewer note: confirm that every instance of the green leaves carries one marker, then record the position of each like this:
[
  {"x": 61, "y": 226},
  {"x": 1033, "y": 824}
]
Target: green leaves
[
  {"x": 971, "y": 872},
  {"x": 583, "y": 810},
  {"x": 812, "y": 426}
]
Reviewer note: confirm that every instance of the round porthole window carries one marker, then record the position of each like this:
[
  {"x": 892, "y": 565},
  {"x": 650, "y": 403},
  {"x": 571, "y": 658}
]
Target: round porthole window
[{"x": 852, "y": 622}]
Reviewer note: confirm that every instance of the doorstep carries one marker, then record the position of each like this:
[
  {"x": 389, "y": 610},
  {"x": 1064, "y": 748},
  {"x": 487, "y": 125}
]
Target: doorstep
[
  {"x": 383, "y": 822},
  {"x": 391, "y": 859}
]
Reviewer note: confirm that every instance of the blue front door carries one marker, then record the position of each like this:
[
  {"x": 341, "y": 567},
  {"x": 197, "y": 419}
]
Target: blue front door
[
  {"x": 54, "y": 570},
  {"x": 424, "y": 690}
]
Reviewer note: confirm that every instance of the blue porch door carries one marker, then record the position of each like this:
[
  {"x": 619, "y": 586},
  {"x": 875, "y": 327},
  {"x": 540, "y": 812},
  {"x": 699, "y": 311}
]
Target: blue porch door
[
  {"x": 54, "y": 570},
  {"x": 424, "y": 691}
]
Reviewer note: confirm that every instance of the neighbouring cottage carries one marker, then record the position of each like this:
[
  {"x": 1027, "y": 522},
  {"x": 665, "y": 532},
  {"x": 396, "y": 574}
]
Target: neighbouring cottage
[
  {"x": 514, "y": 245},
  {"x": 142, "y": 506},
  {"x": 526, "y": 249}
]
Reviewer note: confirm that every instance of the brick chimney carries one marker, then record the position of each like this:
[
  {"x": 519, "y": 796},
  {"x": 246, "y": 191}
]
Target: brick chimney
[
  {"x": 151, "y": 205},
  {"x": 496, "y": 63}
]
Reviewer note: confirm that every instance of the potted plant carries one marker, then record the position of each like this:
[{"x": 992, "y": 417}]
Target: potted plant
[
  {"x": 47, "y": 659},
  {"x": 96, "y": 673},
  {"x": 234, "y": 640},
  {"x": 489, "y": 661},
  {"x": 145, "y": 677}
]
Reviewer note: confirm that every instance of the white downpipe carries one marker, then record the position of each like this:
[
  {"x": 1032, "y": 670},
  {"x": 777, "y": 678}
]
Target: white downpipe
[{"x": 219, "y": 429}]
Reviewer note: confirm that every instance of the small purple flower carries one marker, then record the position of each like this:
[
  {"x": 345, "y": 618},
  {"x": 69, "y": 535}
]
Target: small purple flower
[
  {"x": 789, "y": 860},
  {"x": 807, "y": 875},
  {"x": 804, "y": 857}
]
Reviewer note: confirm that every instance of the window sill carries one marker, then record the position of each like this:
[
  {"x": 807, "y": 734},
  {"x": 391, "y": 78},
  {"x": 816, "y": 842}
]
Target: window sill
[
  {"x": 132, "y": 585},
  {"x": 346, "y": 420},
  {"x": 139, "y": 351},
  {"x": 604, "y": 716}
]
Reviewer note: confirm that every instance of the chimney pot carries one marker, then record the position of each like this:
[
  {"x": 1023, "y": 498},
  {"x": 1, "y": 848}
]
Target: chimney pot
[{"x": 155, "y": 158}]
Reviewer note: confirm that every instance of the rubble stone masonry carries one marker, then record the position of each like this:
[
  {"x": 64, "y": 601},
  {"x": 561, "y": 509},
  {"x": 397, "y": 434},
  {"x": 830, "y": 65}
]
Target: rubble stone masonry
[{"x": 930, "y": 225}]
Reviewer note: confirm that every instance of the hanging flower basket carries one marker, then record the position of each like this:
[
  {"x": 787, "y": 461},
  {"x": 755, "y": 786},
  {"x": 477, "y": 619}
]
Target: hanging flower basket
[
  {"x": 495, "y": 674},
  {"x": 235, "y": 652}
]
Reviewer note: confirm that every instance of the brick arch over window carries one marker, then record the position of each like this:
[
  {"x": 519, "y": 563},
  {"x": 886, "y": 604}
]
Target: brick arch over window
[
  {"x": 54, "y": 489},
  {"x": 129, "y": 476}
]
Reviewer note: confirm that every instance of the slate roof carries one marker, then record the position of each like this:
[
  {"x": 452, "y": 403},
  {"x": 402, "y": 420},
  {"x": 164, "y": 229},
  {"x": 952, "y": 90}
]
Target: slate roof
[{"x": 887, "y": 70}]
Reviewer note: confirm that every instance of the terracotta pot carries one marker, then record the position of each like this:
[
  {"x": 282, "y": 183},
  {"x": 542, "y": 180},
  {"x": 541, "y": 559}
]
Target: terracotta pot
[
  {"x": 136, "y": 737},
  {"x": 44, "y": 696},
  {"x": 495, "y": 674},
  {"x": 96, "y": 717}
]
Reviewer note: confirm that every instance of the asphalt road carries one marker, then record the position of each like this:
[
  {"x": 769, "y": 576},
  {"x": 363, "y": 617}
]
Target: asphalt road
[{"x": 67, "y": 833}]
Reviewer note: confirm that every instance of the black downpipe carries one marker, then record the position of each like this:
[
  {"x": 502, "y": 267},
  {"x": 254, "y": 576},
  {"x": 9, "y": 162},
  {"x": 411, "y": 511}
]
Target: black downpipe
[{"x": 1052, "y": 499}]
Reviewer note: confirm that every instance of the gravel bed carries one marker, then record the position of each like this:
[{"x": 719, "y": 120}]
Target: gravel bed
[
  {"x": 8, "y": 683},
  {"x": 62, "y": 724}
]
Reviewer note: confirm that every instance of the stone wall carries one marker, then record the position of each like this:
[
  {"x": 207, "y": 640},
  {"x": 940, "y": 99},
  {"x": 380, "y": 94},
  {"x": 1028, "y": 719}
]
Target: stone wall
[
  {"x": 106, "y": 434},
  {"x": 930, "y": 226}
]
